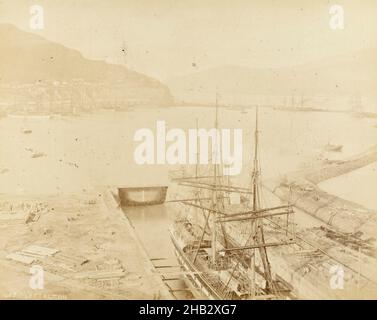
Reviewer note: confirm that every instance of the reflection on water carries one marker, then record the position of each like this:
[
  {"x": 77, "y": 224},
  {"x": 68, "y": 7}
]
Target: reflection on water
[{"x": 152, "y": 227}]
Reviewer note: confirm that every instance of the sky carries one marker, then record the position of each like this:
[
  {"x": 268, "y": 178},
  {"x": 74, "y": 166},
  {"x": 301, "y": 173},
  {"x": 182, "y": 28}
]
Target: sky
[{"x": 167, "y": 38}]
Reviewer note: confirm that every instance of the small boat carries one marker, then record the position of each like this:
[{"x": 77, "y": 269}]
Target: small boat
[
  {"x": 333, "y": 147},
  {"x": 142, "y": 196},
  {"x": 38, "y": 155}
]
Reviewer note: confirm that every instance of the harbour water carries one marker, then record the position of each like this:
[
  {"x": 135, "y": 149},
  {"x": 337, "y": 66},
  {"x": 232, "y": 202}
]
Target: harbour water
[
  {"x": 151, "y": 225},
  {"x": 68, "y": 154},
  {"x": 365, "y": 192}
]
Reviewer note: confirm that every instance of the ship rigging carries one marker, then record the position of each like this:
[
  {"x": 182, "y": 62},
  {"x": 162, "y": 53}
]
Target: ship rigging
[{"x": 222, "y": 247}]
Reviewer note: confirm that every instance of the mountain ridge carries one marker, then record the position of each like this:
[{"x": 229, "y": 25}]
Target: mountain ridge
[
  {"x": 336, "y": 77},
  {"x": 30, "y": 58}
]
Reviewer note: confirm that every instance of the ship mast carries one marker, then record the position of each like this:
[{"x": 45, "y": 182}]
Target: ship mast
[
  {"x": 197, "y": 150},
  {"x": 215, "y": 158},
  {"x": 253, "y": 217},
  {"x": 255, "y": 174},
  {"x": 255, "y": 204},
  {"x": 257, "y": 224}
]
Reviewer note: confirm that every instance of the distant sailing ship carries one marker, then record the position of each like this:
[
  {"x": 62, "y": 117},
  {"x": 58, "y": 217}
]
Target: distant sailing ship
[
  {"x": 223, "y": 247},
  {"x": 295, "y": 105}
]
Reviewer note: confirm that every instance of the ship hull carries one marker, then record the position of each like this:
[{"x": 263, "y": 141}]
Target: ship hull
[
  {"x": 221, "y": 285},
  {"x": 198, "y": 285},
  {"x": 142, "y": 196}
]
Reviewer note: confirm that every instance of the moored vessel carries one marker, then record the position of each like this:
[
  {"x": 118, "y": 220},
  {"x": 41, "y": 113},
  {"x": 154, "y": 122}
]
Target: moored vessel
[{"x": 222, "y": 247}]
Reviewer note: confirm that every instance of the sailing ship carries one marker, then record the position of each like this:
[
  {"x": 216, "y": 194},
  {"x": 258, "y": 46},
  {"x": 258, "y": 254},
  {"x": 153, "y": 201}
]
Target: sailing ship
[{"x": 222, "y": 247}]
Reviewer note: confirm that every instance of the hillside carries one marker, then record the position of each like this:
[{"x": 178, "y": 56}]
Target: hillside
[
  {"x": 339, "y": 79},
  {"x": 27, "y": 58}
]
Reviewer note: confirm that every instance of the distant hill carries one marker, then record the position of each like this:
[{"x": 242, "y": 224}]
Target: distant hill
[
  {"x": 340, "y": 79},
  {"x": 29, "y": 58}
]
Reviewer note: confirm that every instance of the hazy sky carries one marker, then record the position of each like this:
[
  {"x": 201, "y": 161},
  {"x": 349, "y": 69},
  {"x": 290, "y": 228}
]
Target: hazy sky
[{"x": 169, "y": 37}]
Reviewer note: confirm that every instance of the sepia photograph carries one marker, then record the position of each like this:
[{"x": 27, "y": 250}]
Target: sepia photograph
[{"x": 188, "y": 150}]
